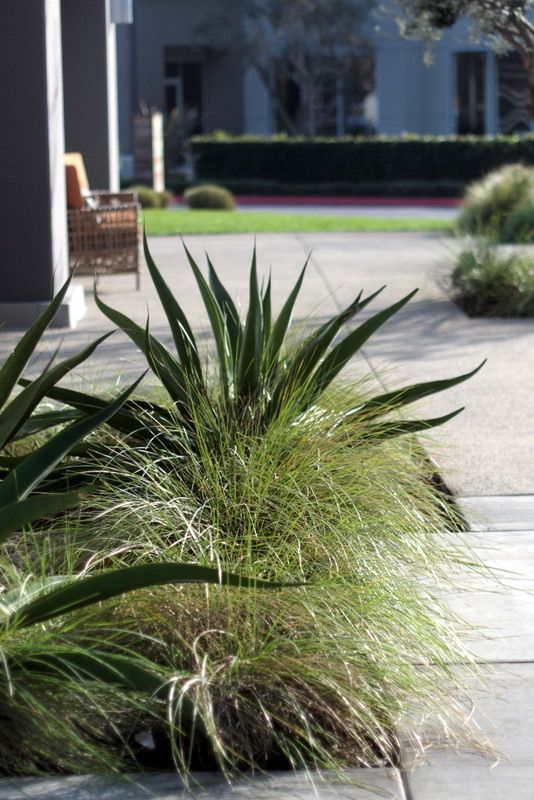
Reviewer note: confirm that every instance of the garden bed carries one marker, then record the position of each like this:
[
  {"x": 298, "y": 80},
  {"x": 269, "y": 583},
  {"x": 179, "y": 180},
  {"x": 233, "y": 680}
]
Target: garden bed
[{"x": 298, "y": 504}]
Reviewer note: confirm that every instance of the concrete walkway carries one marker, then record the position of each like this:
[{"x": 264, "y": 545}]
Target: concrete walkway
[{"x": 486, "y": 454}]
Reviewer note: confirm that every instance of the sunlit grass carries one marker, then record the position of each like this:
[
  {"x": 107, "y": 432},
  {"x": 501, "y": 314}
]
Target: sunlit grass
[
  {"x": 319, "y": 676},
  {"x": 165, "y": 222},
  {"x": 276, "y": 475}
]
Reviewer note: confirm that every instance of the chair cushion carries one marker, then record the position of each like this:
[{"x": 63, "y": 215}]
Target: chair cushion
[{"x": 76, "y": 178}]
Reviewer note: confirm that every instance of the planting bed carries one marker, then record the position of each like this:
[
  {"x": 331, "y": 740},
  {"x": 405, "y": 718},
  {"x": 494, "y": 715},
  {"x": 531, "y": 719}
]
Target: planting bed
[{"x": 298, "y": 503}]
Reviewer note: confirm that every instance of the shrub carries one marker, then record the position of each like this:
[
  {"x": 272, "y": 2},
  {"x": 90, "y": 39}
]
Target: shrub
[
  {"x": 492, "y": 203},
  {"x": 356, "y": 160},
  {"x": 259, "y": 461},
  {"x": 48, "y": 671},
  {"x": 150, "y": 198},
  {"x": 208, "y": 196},
  {"x": 489, "y": 283},
  {"x": 518, "y": 227}
]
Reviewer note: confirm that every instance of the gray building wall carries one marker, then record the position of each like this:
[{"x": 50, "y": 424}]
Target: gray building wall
[
  {"x": 177, "y": 23},
  {"x": 90, "y": 88},
  {"x": 414, "y": 97},
  {"x": 126, "y": 71}
]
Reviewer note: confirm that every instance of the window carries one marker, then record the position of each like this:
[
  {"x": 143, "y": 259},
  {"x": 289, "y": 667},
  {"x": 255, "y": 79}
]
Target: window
[
  {"x": 514, "y": 111},
  {"x": 343, "y": 93},
  {"x": 471, "y": 93},
  {"x": 183, "y": 92}
]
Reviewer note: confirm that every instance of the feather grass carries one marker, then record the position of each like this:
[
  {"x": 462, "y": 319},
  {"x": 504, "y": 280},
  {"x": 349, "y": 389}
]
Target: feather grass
[{"x": 317, "y": 677}]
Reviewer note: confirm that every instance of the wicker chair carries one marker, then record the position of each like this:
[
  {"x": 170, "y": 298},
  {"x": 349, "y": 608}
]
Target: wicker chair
[{"x": 104, "y": 229}]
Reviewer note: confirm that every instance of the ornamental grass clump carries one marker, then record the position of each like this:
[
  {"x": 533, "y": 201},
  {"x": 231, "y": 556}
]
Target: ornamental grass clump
[
  {"x": 316, "y": 676},
  {"x": 262, "y": 461},
  {"x": 495, "y": 206},
  {"x": 487, "y": 282},
  {"x": 58, "y": 654}
]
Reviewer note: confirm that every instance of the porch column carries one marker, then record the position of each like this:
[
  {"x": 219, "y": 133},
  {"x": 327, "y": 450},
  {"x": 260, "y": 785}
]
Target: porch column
[
  {"x": 90, "y": 87},
  {"x": 33, "y": 233}
]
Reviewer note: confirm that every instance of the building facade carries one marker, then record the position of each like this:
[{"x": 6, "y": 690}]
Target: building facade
[
  {"x": 173, "y": 59},
  {"x": 467, "y": 89}
]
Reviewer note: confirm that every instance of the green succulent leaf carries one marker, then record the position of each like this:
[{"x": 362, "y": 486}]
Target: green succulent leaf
[
  {"x": 162, "y": 362},
  {"x": 301, "y": 369},
  {"x": 182, "y": 334},
  {"x": 282, "y": 323},
  {"x": 43, "y": 422},
  {"x": 31, "y": 471},
  {"x": 14, "y": 415},
  {"x": 129, "y": 673},
  {"x": 410, "y": 394},
  {"x": 113, "y": 583},
  {"x": 341, "y": 354},
  {"x": 13, "y": 367},
  {"x": 228, "y": 308},
  {"x": 387, "y": 430},
  {"x": 126, "y": 420},
  {"x": 266, "y": 305},
  {"x": 250, "y": 357},
  {"x": 24, "y": 512},
  {"x": 218, "y": 325}
]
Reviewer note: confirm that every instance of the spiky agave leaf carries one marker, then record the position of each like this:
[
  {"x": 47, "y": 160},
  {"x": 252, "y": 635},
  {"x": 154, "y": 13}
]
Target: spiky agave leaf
[{"x": 254, "y": 367}]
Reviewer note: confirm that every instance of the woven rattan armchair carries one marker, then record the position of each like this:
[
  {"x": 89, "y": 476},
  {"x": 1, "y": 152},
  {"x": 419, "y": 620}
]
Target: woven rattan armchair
[{"x": 104, "y": 229}]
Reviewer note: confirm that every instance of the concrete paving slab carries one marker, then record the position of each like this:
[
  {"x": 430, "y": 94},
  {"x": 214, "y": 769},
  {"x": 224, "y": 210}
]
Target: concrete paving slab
[
  {"x": 502, "y": 711},
  {"x": 488, "y": 447},
  {"x": 499, "y": 513},
  {"x": 498, "y": 605},
  {"x": 486, "y": 450},
  {"x": 472, "y": 783},
  {"x": 358, "y": 785}
]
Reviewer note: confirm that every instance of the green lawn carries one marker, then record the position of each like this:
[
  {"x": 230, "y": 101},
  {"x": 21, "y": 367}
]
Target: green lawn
[{"x": 162, "y": 222}]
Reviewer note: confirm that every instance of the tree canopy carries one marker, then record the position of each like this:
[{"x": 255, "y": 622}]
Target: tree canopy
[
  {"x": 298, "y": 48},
  {"x": 505, "y": 24}
]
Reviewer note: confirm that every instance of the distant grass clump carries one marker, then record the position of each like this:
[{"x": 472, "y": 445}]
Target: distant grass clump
[
  {"x": 488, "y": 282},
  {"x": 209, "y": 196},
  {"x": 500, "y": 205}
]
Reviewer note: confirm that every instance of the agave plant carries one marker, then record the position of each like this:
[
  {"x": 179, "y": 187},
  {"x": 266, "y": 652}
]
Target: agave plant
[
  {"x": 22, "y": 504},
  {"x": 258, "y": 376}
]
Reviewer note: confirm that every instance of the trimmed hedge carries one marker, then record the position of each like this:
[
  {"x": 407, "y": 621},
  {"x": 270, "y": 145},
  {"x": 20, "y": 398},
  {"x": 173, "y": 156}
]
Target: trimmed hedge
[
  {"x": 339, "y": 189},
  {"x": 355, "y": 161}
]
